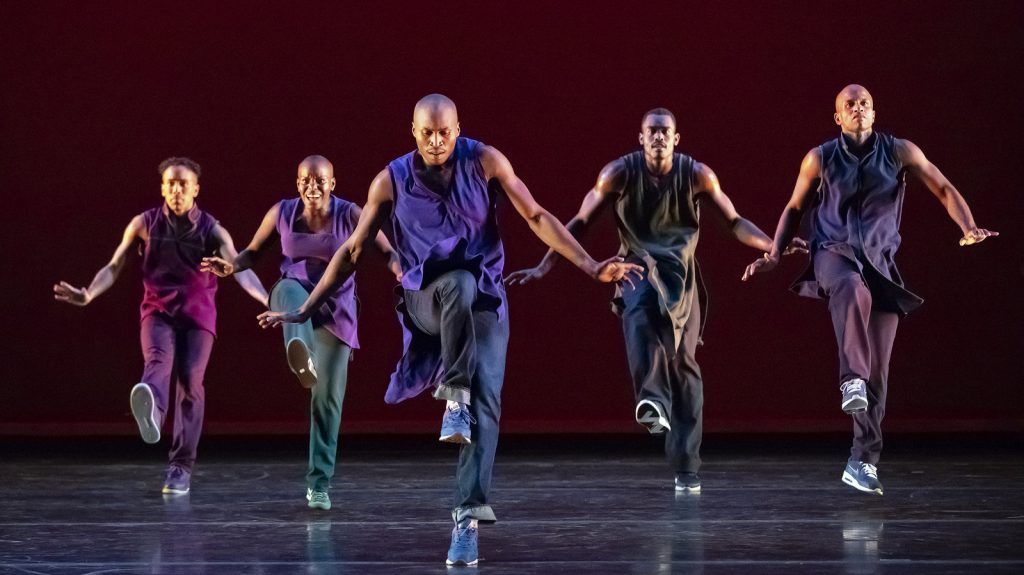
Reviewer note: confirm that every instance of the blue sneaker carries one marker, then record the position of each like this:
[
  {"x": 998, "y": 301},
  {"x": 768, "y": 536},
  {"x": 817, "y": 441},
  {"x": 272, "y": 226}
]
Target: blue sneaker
[
  {"x": 855, "y": 395},
  {"x": 463, "y": 550},
  {"x": 301, "y": 363},
  {"x": 862, "y": 477},
  {"x": 178, "y": 481},
  {"x": 687, "y": 482},
  {"x": 455, "y": 425},
  {"x": 144, "y": 410},
  {"x": 651, "y": 415}
]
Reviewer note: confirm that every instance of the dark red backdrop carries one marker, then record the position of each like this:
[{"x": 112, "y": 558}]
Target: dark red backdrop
[{"x": 96, "y": 94}]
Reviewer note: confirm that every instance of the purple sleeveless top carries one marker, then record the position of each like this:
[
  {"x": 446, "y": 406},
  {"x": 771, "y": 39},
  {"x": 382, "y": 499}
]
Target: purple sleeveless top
[
  {"x": 433, "y": 234},
  {"x": 306, "y": 256},
  {"x": 173, "y": 285},
  {"x": 856, "y": 214}
]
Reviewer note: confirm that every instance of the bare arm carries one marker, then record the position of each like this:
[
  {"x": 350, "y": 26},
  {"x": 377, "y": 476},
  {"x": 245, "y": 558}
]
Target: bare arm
[
  {"x": 380, "y": 241},
  {"x": 706, "y": 187},
  {"x": 918, "y": 165},
  {"x": 104, "y": 278},
  {"x": 378, "y": 207},
  {"x": 264, "y": 236},
  {"x": 546, "y": 226},
  {"x": 245, "y": 278},
  {"x": 605, "y": 191},
  {"x": 789, "y": 222}
]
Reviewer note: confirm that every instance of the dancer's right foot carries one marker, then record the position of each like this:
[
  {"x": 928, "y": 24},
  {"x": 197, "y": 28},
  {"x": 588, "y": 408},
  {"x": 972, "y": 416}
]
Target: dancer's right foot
[
  {"x": 144, "y": 410},
  {"x": 688, "y": 482},
  {"x": 855, "y": 395},
  {"x": 862, "y": 477},
  {"x": 463, "y": 550},
  {"x": 301, "y": 363},
  {"x": 651, "y": 415},
  {"x": 455, "y": 426},
  {"x": 178, "y": 481},
  {"x": 317, "y": 499}
]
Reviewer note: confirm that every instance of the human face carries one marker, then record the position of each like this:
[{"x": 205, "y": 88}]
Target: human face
[
  {"x": 315, "y": 182},
  {"x": 855, "y": 110},
  {"x": 179, "y": 188},
  {"x": 435, "y": 130},
  {"x": 658, "y": 136}
]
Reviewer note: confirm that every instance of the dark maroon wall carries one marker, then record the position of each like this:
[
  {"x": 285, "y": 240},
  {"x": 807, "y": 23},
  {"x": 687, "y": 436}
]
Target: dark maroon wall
[{"x": 95, "y": 94}]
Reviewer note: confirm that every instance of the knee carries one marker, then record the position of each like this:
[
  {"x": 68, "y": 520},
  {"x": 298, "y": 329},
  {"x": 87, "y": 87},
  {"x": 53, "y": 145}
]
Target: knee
[
  {"x": 850, "y": 287},
  {"x": 459, "y": 289},
  {"x": 287, "y": 294}
]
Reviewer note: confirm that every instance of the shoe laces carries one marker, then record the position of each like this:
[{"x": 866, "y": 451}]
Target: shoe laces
[
  {"x": 464, "y": 414},
  {"x": 852, "y": 386},
  {"x": 319, "y": 496},
  {"x": 464, "y": 537},
  {"x": 869, "y": 470},
  {"x": 176, "y": 473}
]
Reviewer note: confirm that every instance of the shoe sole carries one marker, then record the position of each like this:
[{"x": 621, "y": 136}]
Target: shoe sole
[
  {"x": 687, "y": 489},
  {"x": 298, "y": 362},
  {"x": 451, "y": 563},
  {"x": 143, "y": 408},
  {"x": 849, "y": 480},
  {"x": 647, "y": 416},
  {"x": 855, "y": 405},
  {"x": 455, "y": 438},
  {"x": 171, "y": 491},
  {"x": 324, "y": 507}
]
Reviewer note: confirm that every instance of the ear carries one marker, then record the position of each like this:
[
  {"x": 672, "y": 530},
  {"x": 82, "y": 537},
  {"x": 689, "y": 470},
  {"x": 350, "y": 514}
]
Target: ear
[
  {"x": 458, "y": 129},
  {"x": 197, "y": 190},
  {"x": 675, "y": 141},
  {"x": 413, "y": 128},
  {"x": 333, "y": 183},
  {"x": 839, "y": 121},
  {"x": 640, "y": 138}
]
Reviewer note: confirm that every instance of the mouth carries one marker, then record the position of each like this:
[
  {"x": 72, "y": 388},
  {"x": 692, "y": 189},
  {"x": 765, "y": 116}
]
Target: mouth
[{"x": 315, "y": 196}]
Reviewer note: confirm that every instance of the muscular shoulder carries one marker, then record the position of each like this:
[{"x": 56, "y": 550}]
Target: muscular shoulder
[{"x": 494, "y": 163}]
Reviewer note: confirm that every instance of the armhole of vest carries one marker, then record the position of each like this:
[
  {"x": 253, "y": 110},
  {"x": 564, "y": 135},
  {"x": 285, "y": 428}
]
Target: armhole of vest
[
  {"x": 821, "y": 179},
  {"x": 394, "y": 190}
]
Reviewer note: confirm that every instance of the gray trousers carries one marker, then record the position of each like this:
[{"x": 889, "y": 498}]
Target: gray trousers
[
  {"x": 864, "y": 336},
  {"x": 330, "y": 358}
]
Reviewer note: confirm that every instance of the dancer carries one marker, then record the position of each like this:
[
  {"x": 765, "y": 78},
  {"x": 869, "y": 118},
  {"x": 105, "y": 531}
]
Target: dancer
[
  {"x": 655, "y": 193},
  {"x": 854, "y": 186},
  {"x": 311, "y": 228},
  {"x": 178, "y": 311},
  {"x": 437, "y": 205}
]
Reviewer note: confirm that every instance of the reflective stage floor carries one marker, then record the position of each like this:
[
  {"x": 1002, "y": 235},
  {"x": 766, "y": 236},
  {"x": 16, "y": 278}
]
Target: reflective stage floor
[{"x": 565, "y": 505}]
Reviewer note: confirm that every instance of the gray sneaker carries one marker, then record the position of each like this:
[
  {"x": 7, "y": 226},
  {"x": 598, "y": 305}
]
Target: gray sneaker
[
  {"x": 317, "y": 499},
  {"x": 301, "y": 363},
  {"x": 688, "y": 482},
  {"x": 855, "y": 395},
  {"x": 144, "y": 410}
]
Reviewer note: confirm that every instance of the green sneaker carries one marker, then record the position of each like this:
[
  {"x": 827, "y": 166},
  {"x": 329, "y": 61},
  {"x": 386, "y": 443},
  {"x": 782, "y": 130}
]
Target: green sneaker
[{"x": 318, "y": 499}]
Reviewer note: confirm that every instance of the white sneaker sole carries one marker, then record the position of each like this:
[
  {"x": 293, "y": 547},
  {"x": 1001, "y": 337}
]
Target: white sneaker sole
[
  {"x": 855, "y": 405},
  {"x": 170, "y": 491},
  {"x": 685, "y": 489},
  {"x": 455, "y": 438},
  {"x": 849, "y": 480},
  {"x": 451, "y": 563},
  {"x": 301, "y": 364},
  {"x": 144, "y": 410},
  {"x": 650, "y": 417}
]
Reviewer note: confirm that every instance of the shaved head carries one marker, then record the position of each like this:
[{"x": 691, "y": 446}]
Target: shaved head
[
  {"x": 852, "y": 92},
  {"x": 434, "y": 104},
  {"x": 435, "y": 126},
  {"x": 316, "y": 164}
]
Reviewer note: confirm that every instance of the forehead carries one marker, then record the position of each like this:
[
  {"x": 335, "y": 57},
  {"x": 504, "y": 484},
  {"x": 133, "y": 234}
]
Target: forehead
[
  {"x": 316, "y": 169},
  {"x": 179, "y": 173},
  {"x": 657, "y": 122},
  {"x": 435, "y": 118},
  {"x": 853, "y": 95}
]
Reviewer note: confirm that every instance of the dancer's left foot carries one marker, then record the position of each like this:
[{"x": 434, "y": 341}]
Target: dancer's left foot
[
  {"x": 317, "y": 499},
  {"x": 463, "y": 550},
  {"x": 178, "y": 481},
  {"x": 455, "y": 426},
  {"x": 651, "y": 414},
  {"x": 687, "y": 482},
  {"x": 862, "y": 477}
]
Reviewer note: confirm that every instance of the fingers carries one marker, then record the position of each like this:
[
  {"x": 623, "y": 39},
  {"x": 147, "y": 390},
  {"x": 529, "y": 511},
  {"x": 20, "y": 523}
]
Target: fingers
[
  {"x": 268, "y": 319},
  {"x": 976, "y": 235}
]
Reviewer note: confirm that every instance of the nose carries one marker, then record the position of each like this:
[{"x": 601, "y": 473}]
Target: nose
[{"x": 435, "y": 140}]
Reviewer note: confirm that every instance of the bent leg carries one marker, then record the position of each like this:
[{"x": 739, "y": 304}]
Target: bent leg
[
  {"x": 158, "y": 342},
  {"x": 849, "y": 303}
]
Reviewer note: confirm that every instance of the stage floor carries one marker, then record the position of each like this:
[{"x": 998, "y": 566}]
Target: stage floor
[{"x": 566, "y": 506}]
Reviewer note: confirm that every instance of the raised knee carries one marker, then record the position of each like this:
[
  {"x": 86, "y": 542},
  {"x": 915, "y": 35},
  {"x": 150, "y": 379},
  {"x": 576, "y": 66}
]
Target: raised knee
[{"x": 459, "y": 287}]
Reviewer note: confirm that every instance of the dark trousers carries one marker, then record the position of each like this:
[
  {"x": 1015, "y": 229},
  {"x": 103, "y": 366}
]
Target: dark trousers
[
  {"x": 664, "y": 374},
  {"x": 473, "y": 346},
  {"x": 864, "y": 335},
  {"x": 330, "y": 358},
  {"x": 180, "y": 353}
]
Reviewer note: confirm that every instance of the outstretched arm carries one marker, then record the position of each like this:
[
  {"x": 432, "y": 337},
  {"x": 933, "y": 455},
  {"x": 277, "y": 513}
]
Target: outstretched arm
[
  {"x": 917, "y": 164},
  {"x": 608, "y": 187},
  {"x": 384, "y": 246},
  {"x": 547, "y": 227},
  {"x": 343, "y": 264},
  {"x": 789, "y": 223},
  {"x": 245, "y": 277},
  {"x": 104, "y": 278},
  {"x": 265, "y": 234}
]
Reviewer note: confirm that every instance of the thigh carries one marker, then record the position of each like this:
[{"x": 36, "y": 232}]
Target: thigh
[
  {"x": 287, "y": 294},
  {"x": 193, "y": 354},
  {"x": 157, "y": 338},
  {"x": 832, "y": 271}
]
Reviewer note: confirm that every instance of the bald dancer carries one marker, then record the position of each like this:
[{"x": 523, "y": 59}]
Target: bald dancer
[
  {"x": 437, "y": 206},
  {"x": 178, "y": 311},
  {"x": 310, "y": 228},
  {"x": 854, "y": 188},
  {"x": 655, "y": 193}
]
